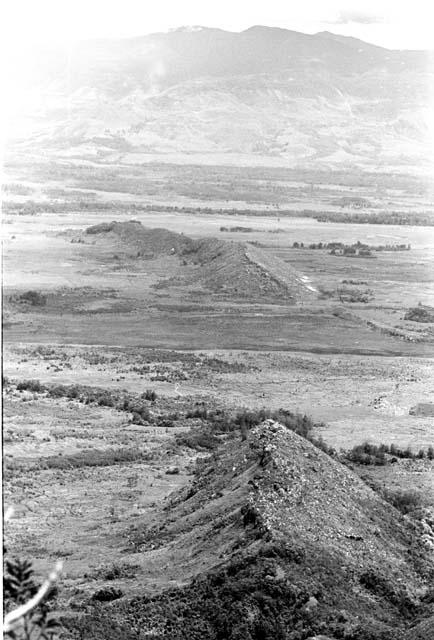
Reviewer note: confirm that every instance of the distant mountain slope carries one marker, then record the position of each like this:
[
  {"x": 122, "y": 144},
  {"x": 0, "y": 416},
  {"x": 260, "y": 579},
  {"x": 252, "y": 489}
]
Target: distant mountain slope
[
  {"x": 275, "y": 539},
  {"x": 262, "y": 92}
]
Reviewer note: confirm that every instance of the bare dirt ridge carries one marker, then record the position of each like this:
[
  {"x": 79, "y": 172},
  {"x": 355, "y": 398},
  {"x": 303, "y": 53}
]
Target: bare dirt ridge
[
  {"x": 221, "y": 266},
  {"x": 276, "y": 503},
  {"x": 289, "y": 484}
]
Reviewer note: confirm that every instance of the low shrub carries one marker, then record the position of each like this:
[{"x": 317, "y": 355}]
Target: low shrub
[
  {"x": 31, "y": 385},
  {"x": 107, "y": 594},
  {"x": 246, "y": 599},
  {"x": 116, "y": 571},
  {"x": 374, "y": 582},
  {"x": 33, "y": 298},
  {"x": 198, "y": 439},
  {"x": 367, "y": 454},
  {"x": 103, "y": 227},
  {"x": 421, "y": 313},
  {"x": 321, "y": 444},
  {"x": 102, "y": 397},
  {"x": 150, "y": 395},
  {"x": 404, "y": 501},
  {"x": 93, "y": 458},
  {"x": 200, "y": 412}
]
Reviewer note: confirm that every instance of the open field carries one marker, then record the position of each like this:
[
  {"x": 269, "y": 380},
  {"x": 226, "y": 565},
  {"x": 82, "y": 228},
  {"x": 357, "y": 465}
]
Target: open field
[
  {"x": 272, "y": 189},
  {"x": 372, "y": 396},
  {"x": 84, "y": 279}
]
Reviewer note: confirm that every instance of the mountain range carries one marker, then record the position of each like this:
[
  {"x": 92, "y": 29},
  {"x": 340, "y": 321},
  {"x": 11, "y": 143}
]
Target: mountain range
[{"x": 262, "y": 95}]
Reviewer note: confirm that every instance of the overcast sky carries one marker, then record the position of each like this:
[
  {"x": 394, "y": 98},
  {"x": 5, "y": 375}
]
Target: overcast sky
[{"x": 403, "y": 24}]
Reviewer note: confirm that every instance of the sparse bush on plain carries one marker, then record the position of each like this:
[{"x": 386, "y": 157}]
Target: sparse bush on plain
[
  {"x": 120, "y": 401},
  {"x": 92, "y": 458},
  {"x": 31, "y": 385},
  {"x": 200, "y": 412},
  {"x": 198, "y": 439},
  {"x": 355, "y": 282},
  {"x": 107, "y": 594},
  {"x": 34, "y": 298},
  {"x": 141, "y": 416},
  {"x": 150, "y": 395},
  {"x": 116, "y": 571},
  {"x": 103, "y": 227}
]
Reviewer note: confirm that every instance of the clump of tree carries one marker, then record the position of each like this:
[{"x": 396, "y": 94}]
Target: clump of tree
[
  {"x": 354, "y": 202},
  {"x": 17, "y": 189},
  {"x": 347, "y": 294},
  {"x": 367, "y": 454},
  {"x": 355, "y": 282},
  {"x": 107, "y": 594},
  {"x": 137, "y": 405},
  {"x": 103, "y": 227},
  {"x": 372, "y": 454},
  {"x": 351, "y": 250},
  {"x": 421, "y": 313},
  {"x": 238, "y": 229},
  {"x": 218, "y": 423},
  {"x": 404, "y": 501},
  {"x": 397, "y": 218},
  {"x": 87, "y": 458},
  {"x": 34, "y": 298},
  {"x": 35, "y": 386},
  {"x": 350, "y": 294}
]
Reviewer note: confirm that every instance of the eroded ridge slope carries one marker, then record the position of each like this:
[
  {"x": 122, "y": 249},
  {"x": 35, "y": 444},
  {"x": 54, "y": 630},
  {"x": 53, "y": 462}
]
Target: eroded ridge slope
[
  {"x": 220, "y": 266},
  {"x": 276, "y": 539},
  {"x": 142, "y": 239}
]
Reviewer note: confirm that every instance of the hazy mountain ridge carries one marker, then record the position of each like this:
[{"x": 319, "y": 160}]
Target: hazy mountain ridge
[{"x": 264, "y": 91}]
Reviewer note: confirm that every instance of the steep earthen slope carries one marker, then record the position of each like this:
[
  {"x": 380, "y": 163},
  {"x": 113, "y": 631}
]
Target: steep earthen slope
[
  {"x": 275, "y": 539},
  {"x": 223, "y": 267}
]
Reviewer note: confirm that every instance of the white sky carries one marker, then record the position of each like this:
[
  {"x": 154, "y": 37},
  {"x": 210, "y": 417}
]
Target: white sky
[{"x": 403, "y": 24}]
